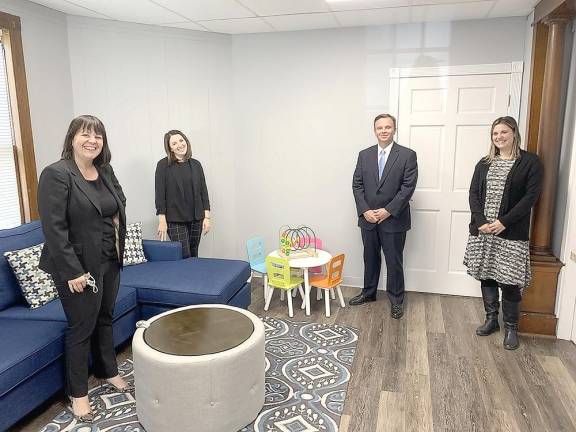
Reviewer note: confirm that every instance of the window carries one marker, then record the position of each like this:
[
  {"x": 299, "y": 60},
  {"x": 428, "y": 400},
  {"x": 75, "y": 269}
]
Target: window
[
  {"x": 10, "y": 215},
  {"x": 18, "y": 181}
]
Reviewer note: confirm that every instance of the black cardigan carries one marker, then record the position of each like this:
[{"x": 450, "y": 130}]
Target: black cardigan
[
  {"x": 170, "y": 191},
  {"x": 521, "y": 191}
]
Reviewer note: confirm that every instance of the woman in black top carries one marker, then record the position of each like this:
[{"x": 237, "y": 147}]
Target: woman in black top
[
  {"x": 504, "y": 188},
  {"x": 81, "y": 207},
  {"x": 182, "y": 203}
]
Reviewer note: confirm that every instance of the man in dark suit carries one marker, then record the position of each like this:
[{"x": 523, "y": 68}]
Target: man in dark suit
[{"x": 383, "y": 183}]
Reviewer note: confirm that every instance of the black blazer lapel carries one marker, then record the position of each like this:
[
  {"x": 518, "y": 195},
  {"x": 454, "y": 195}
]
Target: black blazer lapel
[
  {"x": 392, "y": 157},
  {"x": 83, "y": 185},
  {"x": 374, "y": 163},
  {"x": 108, "y": 182}
]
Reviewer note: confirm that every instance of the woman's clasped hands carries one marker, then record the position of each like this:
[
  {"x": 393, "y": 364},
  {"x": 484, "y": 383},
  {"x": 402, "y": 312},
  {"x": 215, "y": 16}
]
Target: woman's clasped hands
[{"x": 495, "y": 228}]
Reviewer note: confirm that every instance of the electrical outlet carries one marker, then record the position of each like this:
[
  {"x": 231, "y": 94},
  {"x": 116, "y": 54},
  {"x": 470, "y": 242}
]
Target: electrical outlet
[{"x": 573, "y": 255}]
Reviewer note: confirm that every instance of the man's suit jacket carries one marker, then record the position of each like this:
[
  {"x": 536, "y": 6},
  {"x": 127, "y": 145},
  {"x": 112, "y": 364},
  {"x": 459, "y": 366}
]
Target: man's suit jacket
[
  {"x": 71, "y": 220},
  {"x": 392, "y": 192}
]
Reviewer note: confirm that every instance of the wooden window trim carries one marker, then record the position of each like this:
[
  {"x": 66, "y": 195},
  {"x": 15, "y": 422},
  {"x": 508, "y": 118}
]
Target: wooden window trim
[{"x": 24, "y": 144}]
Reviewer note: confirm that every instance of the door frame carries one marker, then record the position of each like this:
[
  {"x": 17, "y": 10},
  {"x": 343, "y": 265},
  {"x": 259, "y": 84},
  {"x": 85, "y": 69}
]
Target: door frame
[
  {"x": 566, "y": 297},
  {"x": 566, "y": 301},
  {"x": 514, "y": 69},
  {"x": 574, "y": 326}
]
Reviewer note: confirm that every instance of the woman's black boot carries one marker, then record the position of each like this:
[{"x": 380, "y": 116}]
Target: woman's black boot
[
  {"x": 491, "y": 306},
  {"x": 511, "y": 312}
]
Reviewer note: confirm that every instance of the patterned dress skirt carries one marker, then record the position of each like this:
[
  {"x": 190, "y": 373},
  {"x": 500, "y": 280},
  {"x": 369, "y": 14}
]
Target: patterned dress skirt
[{"x": 491, "y": 257}]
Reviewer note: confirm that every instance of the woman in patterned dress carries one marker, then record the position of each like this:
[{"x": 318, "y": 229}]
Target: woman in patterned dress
[{"x": 504, "y": 188}]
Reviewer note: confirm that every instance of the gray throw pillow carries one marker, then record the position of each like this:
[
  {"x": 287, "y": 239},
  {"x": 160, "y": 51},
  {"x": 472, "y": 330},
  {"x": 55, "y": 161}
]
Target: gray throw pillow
[
  {"x": 133, "y": 249},
  {"x": 37, "y": 286}
]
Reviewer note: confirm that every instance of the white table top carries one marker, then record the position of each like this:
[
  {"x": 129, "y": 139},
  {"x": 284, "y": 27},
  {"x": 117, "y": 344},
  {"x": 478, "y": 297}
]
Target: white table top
[{"x": 306, "y": 262}]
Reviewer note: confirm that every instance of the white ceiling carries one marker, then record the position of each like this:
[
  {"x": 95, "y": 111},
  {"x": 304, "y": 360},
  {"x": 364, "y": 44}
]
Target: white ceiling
[{"x": 257, "y": 16}]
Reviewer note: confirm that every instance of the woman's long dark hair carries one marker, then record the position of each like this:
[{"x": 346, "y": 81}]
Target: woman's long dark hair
[
  {"x": 87, "y": 123},
  {"x": 170, "y": 153}
]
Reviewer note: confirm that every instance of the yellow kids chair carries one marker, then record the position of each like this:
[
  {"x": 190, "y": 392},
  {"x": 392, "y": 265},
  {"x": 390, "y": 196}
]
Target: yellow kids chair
[
  {"x": 332, "y": 279},
  {"x": 279, "y": 276}
]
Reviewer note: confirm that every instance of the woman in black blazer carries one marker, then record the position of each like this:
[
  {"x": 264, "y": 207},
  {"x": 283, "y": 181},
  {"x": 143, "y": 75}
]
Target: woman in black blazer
[
  {"x": 504, "y": 188},
  {"x": 81, "y": 207},
  {"x": 182, "y": 202}
]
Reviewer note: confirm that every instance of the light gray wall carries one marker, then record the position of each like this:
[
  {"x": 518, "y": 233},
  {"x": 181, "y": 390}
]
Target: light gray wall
[
  {"x": 526, "y": 77},
  {"x": 45, "y": 45},
  {"x": 565, "y": 212},
  {"x": 142, "y": 81},
  {"x": 276, "y": 119},
  {"x": 568, "y": 97},
  {"x": 304, "y": 104}
]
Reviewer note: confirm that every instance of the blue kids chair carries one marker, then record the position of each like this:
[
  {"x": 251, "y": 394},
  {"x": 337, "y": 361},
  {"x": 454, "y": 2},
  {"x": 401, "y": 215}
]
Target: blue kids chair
[{"x": 257, "y": 259}]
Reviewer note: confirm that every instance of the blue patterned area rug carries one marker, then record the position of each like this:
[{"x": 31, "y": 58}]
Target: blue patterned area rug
[{"x": 307, "y": 374}]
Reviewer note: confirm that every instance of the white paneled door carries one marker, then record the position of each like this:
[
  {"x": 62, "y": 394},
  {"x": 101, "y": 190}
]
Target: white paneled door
[{"x": 446, "y": 120}]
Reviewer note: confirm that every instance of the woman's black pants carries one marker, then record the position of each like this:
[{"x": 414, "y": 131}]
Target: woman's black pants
[
  {"x": 187, "y": 233},
  {"x": 89, "y": 317},
  {"x": 511, "y": 293}
]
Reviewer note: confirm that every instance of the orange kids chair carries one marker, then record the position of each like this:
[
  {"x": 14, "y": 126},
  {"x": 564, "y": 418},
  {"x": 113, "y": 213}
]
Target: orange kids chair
[{"x": 330, "y": 281}]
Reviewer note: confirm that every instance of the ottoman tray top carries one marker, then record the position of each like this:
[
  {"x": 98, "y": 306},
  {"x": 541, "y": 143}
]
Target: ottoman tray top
[{"x": 198, "y": 331}]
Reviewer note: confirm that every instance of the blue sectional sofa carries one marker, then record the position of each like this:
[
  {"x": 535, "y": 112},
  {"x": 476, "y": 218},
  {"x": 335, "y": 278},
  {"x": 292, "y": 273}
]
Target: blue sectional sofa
[{"x": 32, "y": 340}]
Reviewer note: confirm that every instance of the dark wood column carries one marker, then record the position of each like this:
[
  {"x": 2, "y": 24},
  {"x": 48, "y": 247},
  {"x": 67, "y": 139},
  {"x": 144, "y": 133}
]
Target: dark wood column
[
  {"x": 539, "y": 46},
  {"x": 552, "y": 18},
  {"x": 549, "y": 135}
]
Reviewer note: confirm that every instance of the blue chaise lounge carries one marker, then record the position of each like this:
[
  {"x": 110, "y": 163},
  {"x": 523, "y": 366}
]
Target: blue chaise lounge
[{"x": 32, "y": 340}]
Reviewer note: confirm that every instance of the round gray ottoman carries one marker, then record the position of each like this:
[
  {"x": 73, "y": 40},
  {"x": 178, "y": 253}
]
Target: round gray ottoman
[{"x": 199, "y": 368}]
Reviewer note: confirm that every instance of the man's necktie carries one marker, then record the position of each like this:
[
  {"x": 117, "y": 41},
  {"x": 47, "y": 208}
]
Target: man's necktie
[{"x": 381, "y": 163}]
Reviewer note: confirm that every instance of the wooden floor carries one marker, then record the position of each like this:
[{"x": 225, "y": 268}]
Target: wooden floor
[{"x": 430, "y": 372}]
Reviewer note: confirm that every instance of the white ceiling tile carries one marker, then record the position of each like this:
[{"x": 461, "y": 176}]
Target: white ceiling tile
[
  {"x": 282, "y": 7},
  {"x": 302, "y": 21},
  {"x": 504, "y": 8},
  {"x": 138, "y": 11},
  {"x": 69, "y": 8},
  {"x": 239, "y": 16},
  {"x": 196, "y": 10},
  {"x": 342, "y": 5},
  {"x": 186, "y": 25},
  {"x": 435, "y": 2},
  {"x": 237, "y": 26},
  {"x": 373, "y": 17},
  {"x": 451, "y": 12}
]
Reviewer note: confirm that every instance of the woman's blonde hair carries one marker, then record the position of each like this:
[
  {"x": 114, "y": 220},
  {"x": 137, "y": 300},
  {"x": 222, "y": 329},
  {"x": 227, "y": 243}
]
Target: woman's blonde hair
[{"x": 494, "y": 151}]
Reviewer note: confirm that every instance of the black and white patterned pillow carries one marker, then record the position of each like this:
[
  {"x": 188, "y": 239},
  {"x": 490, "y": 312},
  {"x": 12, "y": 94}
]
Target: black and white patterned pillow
[
  {"x": 37, "y": 286},
  {"x": 133, "y": 250}
]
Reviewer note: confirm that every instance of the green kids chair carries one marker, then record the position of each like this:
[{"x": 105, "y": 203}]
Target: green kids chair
[{"x": 280, "y": 277}]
